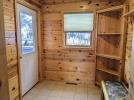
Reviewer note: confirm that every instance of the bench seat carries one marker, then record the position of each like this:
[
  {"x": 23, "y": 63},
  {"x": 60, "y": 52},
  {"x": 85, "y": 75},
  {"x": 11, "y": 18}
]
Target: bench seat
[{"x": 113, "y": 90}]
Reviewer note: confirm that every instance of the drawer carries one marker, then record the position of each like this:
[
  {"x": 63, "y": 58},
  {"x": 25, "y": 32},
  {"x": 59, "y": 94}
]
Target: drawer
[{"x": 13, "y": 87}]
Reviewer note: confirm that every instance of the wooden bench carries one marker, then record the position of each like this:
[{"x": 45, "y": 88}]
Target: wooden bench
[{"x": 112, "y": 90}]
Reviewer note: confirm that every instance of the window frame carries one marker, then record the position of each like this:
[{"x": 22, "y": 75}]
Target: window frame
[{"x": 91, "y": 47}]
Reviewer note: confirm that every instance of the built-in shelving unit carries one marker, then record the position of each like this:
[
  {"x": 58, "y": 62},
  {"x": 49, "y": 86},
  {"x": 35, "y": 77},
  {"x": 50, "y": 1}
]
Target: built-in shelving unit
[{"x": 110, "y": 47}]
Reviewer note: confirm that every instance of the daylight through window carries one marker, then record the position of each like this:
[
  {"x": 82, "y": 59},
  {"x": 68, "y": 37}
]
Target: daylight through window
[
  {"x": 27, "y": 41},
  {"x": 78, "y": 29}
]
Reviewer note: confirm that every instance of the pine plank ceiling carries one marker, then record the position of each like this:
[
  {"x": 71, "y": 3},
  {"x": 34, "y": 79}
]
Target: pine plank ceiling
[{"x": 69, "y": 1}]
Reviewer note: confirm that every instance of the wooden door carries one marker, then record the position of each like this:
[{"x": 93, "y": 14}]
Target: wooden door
[{"x": 4, "y": 91}]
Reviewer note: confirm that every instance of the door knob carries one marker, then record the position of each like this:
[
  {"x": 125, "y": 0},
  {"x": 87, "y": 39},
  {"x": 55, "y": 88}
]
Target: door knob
[{"x": 20, "y": 57}]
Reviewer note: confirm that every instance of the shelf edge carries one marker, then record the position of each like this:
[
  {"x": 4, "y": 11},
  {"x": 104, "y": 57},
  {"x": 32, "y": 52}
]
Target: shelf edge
[
  {"x": 109, "y": 56},
  {"x": 110, "y": 9}
]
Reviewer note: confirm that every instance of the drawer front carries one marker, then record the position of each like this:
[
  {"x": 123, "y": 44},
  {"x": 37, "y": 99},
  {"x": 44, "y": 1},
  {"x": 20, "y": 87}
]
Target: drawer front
[{"x": 13, "y": 87}]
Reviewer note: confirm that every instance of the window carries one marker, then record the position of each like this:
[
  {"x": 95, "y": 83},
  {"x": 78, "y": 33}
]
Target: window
[
  {"x": 78, "y": 29},
  {"x": 78, "y": 38},
  {"x": 27, "y": 41}
]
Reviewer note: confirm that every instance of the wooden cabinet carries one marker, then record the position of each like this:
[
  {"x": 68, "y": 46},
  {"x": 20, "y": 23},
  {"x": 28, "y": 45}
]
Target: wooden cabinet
[{"x": 110, "y": 44}]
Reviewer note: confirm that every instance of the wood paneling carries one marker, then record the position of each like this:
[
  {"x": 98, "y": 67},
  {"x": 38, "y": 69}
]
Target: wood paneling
[
  {"x": 109, "y": 42},
  {"x": 34, "y": 2},
  {"x": 128, "y": 53},
  {"x": 11, "y": 49},
  {"x": 128, "y": 67},
  {"x": 110, "y": 22},
  {"x": 69, "y": 65},
  {"x": 129, "y": 47},
  {"x": 4, "y": 95},
  {"x": 13, "y": 87},
  {"x": 61, "y": 63},
  {"x": 76, "y": 7},
  {"x": 74, "y": 1}
]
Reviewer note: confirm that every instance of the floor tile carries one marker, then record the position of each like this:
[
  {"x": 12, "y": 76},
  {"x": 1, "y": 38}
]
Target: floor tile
[
  {"x": 53, "y": 90},
  {"x": 28, "y": 96},
  {"x": 53, "y": 98},
  {"x": 40, "y": 98}
]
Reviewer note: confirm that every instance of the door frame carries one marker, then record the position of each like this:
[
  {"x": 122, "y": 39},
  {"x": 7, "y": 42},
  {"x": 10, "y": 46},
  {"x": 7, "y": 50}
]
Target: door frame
[
  {"x": 39, "y": 46},
  {"x": 4, "y": 87},
  {"x": 132, "y": 52}
]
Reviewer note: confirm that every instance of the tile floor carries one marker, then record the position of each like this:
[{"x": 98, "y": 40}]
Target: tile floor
[{"x": 52, "y": 90}]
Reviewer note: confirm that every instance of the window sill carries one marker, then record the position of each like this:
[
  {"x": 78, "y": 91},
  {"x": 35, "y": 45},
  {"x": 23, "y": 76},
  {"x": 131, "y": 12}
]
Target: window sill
[{"x": 72, "y": 47}]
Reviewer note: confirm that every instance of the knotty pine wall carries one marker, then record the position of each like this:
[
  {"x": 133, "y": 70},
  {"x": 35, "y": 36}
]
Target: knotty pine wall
[
  {"x": 58, "y": 63},
  {"x": 61, "y": 63},
  {"x": 11, "y": 48}
]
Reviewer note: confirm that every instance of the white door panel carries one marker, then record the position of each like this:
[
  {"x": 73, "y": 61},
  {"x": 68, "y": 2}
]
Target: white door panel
[{"x": 27, "y": 38}]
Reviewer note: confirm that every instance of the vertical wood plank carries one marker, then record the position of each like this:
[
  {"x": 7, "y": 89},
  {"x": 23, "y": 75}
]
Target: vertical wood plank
[{"x": 4, "y": 89}]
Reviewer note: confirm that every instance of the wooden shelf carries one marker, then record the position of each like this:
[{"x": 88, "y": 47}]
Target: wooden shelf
[
  {"x": 110, "y": 34},
  {"x": 116, "y": 8},
  {"x": 130, "y": 13},
  {"x": 109, "y": 71},
  {"x": 109, "y": 56}
]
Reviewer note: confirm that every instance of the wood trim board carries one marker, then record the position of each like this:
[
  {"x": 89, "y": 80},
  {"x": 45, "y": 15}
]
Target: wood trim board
[
  {"x": 4, "y": 88},
  {"x": 105, "y": 91}
]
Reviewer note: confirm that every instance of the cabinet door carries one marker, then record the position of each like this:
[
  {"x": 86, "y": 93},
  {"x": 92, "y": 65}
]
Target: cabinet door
[{"x": 4, "y": 92}]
